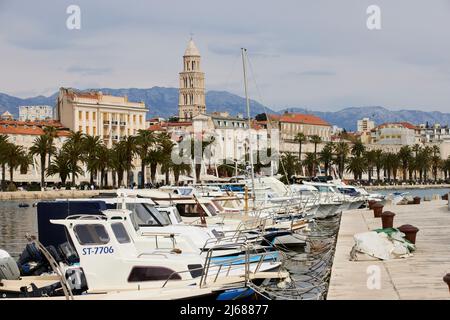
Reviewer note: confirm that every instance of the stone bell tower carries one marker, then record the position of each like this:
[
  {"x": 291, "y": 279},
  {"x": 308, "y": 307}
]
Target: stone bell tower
[{"x": 191, "y": 100}]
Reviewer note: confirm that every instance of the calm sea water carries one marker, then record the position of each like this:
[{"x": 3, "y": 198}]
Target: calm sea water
[
  {"x": 417, "y": 192},
  {"x": 16, "y": 222}
]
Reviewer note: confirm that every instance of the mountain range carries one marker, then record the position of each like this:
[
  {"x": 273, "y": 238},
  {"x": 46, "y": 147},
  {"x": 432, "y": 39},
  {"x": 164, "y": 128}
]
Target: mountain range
[{"x": 163, "y": 102}]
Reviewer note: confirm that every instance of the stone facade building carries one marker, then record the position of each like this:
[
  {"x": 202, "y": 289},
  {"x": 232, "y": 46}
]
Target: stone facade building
[
  {"x": 192, "y": 85},
  {"x": 94, "y": 113}
]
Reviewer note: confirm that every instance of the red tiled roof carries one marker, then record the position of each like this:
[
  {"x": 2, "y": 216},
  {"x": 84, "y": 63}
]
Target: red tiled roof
[
  {"x": 30, "y": 127},
  {"x": 156, "y": 127},
  {"x": 403, "y": 123},
  {"x": 300, "y": 118},
  {"x": 177, "y": 124}
]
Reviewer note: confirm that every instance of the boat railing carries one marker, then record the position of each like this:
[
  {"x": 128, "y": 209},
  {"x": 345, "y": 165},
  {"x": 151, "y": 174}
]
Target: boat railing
[
  {"x": 170, "y": 236},
  {"x": 234, "y": 240}
]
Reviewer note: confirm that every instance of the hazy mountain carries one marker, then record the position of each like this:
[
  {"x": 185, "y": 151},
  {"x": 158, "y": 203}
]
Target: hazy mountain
[
  {"x": 348, "y": 117},
  {"x": 164, "y": 102},
  {"x": 161, "y": 101}
]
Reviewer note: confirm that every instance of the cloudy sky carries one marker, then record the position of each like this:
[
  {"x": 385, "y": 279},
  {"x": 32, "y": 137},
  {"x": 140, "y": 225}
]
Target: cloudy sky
[{"x": 315, "y": 54}]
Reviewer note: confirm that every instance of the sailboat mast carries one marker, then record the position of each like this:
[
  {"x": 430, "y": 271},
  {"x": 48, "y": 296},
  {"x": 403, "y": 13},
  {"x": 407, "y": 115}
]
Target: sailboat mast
[{"x": 244, "y": 53}]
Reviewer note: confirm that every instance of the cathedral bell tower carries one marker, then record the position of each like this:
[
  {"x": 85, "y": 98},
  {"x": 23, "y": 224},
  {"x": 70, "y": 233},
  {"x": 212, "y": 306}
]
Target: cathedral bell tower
[{"x": 191, "y": 100}]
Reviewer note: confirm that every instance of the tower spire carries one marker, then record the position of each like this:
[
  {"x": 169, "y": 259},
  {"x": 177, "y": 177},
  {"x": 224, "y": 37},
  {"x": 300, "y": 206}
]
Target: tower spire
[{"x": 192, "y": 84}]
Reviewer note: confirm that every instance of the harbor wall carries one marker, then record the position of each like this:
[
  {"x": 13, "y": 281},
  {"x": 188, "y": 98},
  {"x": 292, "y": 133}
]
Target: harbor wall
[{"x": 50, "y": 194}]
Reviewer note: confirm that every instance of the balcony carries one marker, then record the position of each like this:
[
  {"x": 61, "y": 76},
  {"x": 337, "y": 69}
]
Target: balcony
[
  {"x": 123, "y": 123},
  {"x": 114, "y": 122},
  {"x": 106, "y": 137},
  {"x": 115, "y": 137},
  {"x": 106, "y": 122}
]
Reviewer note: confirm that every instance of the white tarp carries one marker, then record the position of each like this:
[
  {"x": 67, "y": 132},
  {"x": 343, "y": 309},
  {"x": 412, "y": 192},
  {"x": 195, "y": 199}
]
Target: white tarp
[{"x": 381, "y": 245}]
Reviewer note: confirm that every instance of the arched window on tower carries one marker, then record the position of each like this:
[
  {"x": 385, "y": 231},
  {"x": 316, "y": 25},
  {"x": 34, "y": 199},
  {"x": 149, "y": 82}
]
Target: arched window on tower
[
  {"x": 191, "y": 114},
  {"x": 193, "y": 65},
  {"x": 185, "y": 115}
]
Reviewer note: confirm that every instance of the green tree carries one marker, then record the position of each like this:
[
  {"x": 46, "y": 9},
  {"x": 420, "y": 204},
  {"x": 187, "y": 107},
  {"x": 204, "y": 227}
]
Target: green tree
[
  {"x": 326, "y": 157},
  {"x": 91, "y": 148},
  {"x": 60, "y": 165},
  {"x": 288, "y": 165},
  {"x": 3, "y": 147},
  {"x": 300, "y": 138},
  {"x": 357, "y": 166},
  {"x": 341, "y": 150},
  {"x": 74, "y": 150},
  {"x": 378, "y": 161},
  {"x": 145, "y": 140},
  {"x": 16, "y": 157},
  {"x": 315, "y": 139},
  {"x": 42, "y": 147},
  {"x": 405, "y": 156}
]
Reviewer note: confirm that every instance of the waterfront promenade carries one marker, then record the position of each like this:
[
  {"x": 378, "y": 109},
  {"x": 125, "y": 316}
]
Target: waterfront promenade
[
  {"x": 50, "y": 194},
  {"x": 416, "y": 277},
  {"x": 407, "y": 186}
]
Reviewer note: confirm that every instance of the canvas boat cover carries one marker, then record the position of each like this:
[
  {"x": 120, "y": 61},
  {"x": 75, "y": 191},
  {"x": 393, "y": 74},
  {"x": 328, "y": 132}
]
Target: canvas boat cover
[{"x": 383, "y": 244}]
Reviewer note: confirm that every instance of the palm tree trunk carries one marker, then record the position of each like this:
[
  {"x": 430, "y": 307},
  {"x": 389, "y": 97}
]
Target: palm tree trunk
[
  {"x": 142, "y": 184},
  {"x": 153, "y": 167},
  {"x": 3, "y": 176},
  {"x": 11, "y": 175},
  {"x": 300, "y": 158},
  {"x": 198, "y": 168},
  {"x": 167, "y": 178},
  {"x": 42, "y": 172}
]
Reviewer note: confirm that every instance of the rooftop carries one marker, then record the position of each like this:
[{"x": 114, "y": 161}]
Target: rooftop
[{"x": 300, "y": 118}]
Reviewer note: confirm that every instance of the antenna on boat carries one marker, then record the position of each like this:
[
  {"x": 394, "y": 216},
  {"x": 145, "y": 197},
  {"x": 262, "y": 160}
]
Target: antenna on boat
[{"x": 244, "y": 56}]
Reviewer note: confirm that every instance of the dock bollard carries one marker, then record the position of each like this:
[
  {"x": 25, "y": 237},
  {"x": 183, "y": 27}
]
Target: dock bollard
[
  {"x": 387, "y": 219},
  {"x": 416, "y": 200},
  {"x": 410, "y": 232},
  {"x": 447, "y": 280},
  {"x": 371, "y": 203},
  {"x": 377, "y": 209}
]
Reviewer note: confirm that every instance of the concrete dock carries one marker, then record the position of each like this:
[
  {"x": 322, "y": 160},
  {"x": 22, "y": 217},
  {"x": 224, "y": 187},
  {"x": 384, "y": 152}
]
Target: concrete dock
[{"x": 416, "y": 277}]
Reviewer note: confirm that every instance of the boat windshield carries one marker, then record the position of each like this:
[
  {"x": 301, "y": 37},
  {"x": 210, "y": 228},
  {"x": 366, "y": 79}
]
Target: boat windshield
[{"x": 145, "y": 215}]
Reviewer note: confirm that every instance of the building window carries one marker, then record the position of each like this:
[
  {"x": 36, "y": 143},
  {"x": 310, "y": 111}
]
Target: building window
[
  {"x": 80, "y": 115},
  {"x": 87, "y": 115},
  {"x": 94, "y": 131},
  {"x": 134, "y": 118},
  {"x": 94, "y": 116},
  {"x": 140, "y": 119},
  {"x": 80, "y": 128}
]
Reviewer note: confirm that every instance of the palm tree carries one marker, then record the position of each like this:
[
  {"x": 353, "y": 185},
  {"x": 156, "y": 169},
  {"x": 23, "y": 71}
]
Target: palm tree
[
  {"x": 91, "y": 147},
  {"x": 129, "y": 148},
  {"x": 391, "y": 162},
  {"x": 74, "y": 149},
  {"x": 326, "y": 157},
  {"x": 16, "y": 157},
  {"x": 446, "y": 167},
  {"x": 180, "y": 167},
  {"x": 358, "y": 149},
  {"x": 357, "y": 166},
  {"x": 300, "y": 138},
  {"x": 310, "y": 163},
  {"x": 288, "y": 164},
  {"x": 405, "y": 156},
  {"x": 103, "y": 160},
  {"x": 341, "y": 150},
  {"x": 436, "y": 163},
  {"x": 370, "y": 160},
  {"x": 60, "y": 165},
  {"x": 3, "y": 147},
  {"x": 378, "y": 161},
  {"x": 42, "y": 147},
  {"x": 145, "y": 140},
  {"x": 166, "y": 145},
  {"x": 198, "y": 159},
  {"x": 117, "y": 163},
  {"x": 52, "y": 133},
  {"x": 315, "y": 139},
  {"x": 416, "y": 149}
]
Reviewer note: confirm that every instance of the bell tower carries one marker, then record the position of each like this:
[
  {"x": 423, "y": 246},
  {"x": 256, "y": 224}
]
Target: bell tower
[{"x": 191, "y": 101}]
